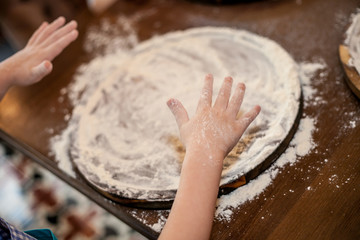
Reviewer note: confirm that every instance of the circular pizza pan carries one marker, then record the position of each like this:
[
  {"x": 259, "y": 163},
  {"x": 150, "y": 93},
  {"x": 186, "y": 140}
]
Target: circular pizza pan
[
  {"x": 112, "y": 194},
  {"x": 162, "y": 199}
]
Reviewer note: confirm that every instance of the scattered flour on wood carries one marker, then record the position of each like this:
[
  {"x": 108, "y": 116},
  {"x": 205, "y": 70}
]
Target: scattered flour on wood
[
  {"x": 92, "y": 74},
  {"x": 156, "y": 226},
  {"x": 301, "y": 145},
  {"x": 149, "y": 74}
]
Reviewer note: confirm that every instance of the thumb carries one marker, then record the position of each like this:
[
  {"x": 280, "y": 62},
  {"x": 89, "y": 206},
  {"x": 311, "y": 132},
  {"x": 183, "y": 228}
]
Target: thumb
[
  {"x": 247, "y": 118},
  {"x": 178, "y": 111},
  {"x": 41, "y": 70}
]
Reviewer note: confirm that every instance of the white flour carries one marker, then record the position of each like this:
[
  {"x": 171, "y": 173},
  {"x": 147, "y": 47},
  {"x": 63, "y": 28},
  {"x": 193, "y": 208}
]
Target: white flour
[
  {"x": 91, "y": 75},
  {"x": 307, "y": 71},
  {"x": 301, "y": 145},
  {"x": 353, "y": 41},
  {"x": 122, "y": 132}
]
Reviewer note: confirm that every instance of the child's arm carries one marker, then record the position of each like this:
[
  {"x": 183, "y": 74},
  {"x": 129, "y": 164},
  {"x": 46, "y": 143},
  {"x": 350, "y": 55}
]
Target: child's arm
[
  {"x": 32, "y": 63},
  {"x": 208, "y": 138}
]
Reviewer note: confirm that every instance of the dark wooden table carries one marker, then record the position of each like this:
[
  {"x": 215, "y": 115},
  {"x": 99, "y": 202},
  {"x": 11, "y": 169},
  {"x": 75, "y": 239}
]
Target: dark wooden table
[{"x": 309, "y": 30}]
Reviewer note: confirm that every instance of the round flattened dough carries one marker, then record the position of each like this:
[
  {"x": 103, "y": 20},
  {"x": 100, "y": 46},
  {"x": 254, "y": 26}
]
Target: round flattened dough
[{"x": 125, "y": 142}]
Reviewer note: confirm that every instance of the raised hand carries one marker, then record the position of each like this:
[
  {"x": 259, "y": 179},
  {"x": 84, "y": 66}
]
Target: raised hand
[
  {"x": 214, "y": 129},
  {"x": 208, "y": 137},
  {"x": 32, "y": 63}
]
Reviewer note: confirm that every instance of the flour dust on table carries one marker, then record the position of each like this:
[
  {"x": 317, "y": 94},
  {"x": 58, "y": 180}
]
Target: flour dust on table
[{"x": 302, "y": 144}]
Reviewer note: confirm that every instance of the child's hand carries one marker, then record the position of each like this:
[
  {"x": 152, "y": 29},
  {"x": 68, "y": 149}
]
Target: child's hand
[
  {"x": 214, "y": 129},
  {"x": 32, "y": 63},
  {"x": 208, "y": 137}
]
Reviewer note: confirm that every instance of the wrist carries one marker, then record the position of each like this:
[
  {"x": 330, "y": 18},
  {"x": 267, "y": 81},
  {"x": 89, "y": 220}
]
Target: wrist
[
  {"x": 205, "y": 148},
  {"x": 205, "y": 155},
  {"x": 6, "y": 76}
]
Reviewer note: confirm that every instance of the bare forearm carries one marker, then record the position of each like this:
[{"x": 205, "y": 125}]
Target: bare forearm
[
  {"x": 208, "y": 137},
  {"x": 192, "y": 213},
  {"x": 5, "y": 77}
]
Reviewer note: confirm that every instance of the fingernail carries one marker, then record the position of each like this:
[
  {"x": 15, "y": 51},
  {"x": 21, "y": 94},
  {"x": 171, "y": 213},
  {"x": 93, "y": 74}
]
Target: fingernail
[
  {"x": 42, "y": 69},
  {"x": 170, "y": 102},
  {"x": 60, "y": 19},
  {"x": 74, "y": 33},
  {"x": 47, "y": 64},
  {"x": 73, "y": 22},
  {"x": 259, "y": 107},
  {"x": 229, "y": 79},
  {"x": 242, "y": 86}
]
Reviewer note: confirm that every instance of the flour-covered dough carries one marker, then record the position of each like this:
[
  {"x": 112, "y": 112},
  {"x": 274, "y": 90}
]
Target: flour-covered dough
[{"x": 124, "y": 141}]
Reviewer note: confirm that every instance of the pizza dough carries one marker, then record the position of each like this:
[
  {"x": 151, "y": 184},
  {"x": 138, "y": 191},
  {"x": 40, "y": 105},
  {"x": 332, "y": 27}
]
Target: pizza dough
[{"x": 126, "y": 141}]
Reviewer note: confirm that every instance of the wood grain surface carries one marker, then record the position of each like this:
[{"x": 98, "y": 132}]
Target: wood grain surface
[{"x": 310, "y": 30}]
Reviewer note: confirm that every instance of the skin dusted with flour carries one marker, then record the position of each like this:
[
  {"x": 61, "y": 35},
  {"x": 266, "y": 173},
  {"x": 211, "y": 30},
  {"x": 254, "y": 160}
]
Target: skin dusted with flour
[{"x": 208, "y": 136}]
